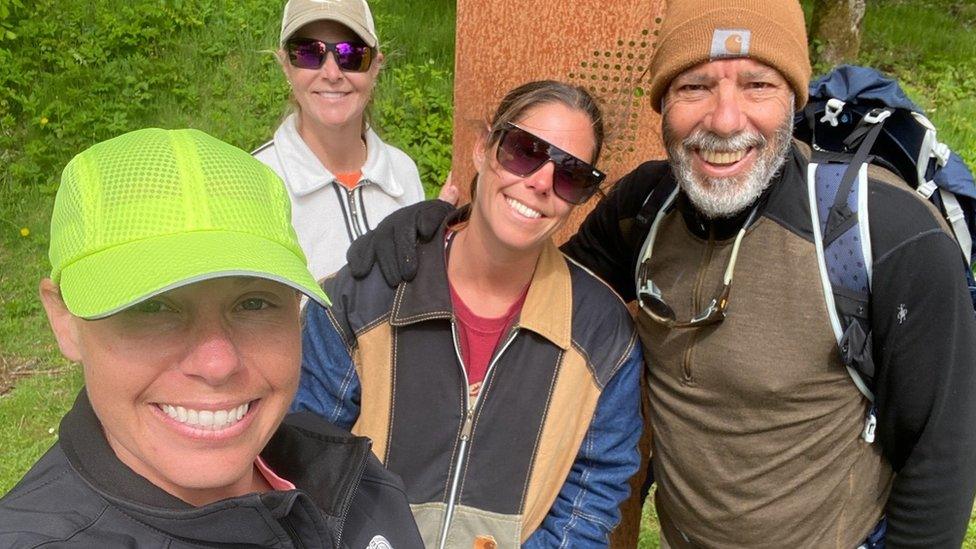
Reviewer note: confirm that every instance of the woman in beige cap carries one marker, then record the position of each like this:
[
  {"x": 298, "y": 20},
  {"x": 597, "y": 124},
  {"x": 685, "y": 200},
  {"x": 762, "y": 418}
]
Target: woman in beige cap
[{"x": 341, "y": 177}]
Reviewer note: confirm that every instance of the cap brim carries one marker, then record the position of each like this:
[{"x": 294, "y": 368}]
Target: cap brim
[
  {"x": 106, "y": 282},
  {"x": 322, "y": 15}
]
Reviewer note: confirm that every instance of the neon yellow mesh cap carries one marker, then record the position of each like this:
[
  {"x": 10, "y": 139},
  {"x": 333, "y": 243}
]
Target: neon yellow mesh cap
[{"x": 153, "y": 210}]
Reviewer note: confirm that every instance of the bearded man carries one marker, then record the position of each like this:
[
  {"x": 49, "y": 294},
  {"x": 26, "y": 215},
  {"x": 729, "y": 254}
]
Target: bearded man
[{"x": 757, "y": 426}]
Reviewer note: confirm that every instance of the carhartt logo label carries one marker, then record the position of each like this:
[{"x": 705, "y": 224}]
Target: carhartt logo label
[
  {"x": 379, "y": 542},
  {"x": 733, "y": 44},
  {"x": 730, "y": 43}
]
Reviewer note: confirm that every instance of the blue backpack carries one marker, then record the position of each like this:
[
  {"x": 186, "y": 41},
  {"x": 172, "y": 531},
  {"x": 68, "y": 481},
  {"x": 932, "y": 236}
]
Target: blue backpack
[{"x": 855, "y": 117}]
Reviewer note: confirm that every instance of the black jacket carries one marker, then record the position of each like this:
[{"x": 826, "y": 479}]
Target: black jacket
[{"x": 80, "y": 495}]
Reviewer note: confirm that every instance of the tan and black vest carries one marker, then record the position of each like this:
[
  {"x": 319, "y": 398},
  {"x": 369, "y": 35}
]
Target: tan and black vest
[{"x": 491, "y": 470}]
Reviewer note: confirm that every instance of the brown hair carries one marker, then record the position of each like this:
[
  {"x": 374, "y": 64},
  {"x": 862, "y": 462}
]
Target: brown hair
[
  {"x": 541, "y": 92},
  {"x": 516, "y": 102}
]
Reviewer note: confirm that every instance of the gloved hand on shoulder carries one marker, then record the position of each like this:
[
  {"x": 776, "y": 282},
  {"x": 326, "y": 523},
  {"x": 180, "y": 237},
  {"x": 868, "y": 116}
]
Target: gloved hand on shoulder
[{"x": 393, "y": 243}]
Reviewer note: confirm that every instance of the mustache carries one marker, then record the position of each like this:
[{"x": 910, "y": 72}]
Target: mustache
[{"x": 708, "y": 141}]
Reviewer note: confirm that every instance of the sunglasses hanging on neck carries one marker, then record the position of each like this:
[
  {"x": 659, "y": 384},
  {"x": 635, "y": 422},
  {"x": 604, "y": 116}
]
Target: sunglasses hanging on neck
[{"x": 649, "y": 295}]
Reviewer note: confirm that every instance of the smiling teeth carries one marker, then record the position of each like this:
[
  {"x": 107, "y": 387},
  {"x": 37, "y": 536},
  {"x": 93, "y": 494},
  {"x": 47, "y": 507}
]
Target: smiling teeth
[
  {"x": 722, "y": 157},
  {"x": 523, "y": 209},
  {"x": 206, "y": 419}
]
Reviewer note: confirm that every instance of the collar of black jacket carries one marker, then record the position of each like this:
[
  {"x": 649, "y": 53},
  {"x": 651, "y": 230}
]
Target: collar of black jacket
[
  {"x": 323, "y": 461},
  {"x": 727, "y": 227},
  {"x": 547, "y": 310}
]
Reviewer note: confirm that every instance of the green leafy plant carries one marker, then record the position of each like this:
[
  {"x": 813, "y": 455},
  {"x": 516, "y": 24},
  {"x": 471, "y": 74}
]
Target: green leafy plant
[
  {"x": 419, "y": 121},
  {"x": 8, "y": 10}
]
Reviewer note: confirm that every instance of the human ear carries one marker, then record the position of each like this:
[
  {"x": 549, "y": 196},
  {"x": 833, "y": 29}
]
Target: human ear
[
  {"x": 479, "y": 151},
  {"x": 63, "y": 323}
]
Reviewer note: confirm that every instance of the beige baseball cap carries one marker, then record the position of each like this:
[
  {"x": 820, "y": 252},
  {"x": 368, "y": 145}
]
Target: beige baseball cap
[{"x": 354, "y": 14}]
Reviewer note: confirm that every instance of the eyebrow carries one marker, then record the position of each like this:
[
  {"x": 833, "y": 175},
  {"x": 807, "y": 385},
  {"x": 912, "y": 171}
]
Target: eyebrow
[
  {"x": 693, "y": 78},
  {"x": 761, "y": 73}
]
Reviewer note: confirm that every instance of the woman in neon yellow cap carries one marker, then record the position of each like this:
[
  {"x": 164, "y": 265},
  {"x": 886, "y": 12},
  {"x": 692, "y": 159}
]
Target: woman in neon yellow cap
[{"x": 175, "y": 283}]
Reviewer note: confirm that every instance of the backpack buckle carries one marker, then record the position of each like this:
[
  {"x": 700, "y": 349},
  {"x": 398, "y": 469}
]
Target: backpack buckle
[
  {"x": 876, "y": 116},
  {"x": 832, "y": 111},
  {"x": 941, "y": 152},
  {"x": 870, "y": 425},
  {"x": 926, "y": 189}
]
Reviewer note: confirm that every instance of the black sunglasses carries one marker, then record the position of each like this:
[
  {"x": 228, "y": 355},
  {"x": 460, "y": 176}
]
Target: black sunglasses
[
  {"x": 522, "y": 154},
  {"x": 649, "y": 295},
  {"x": 309, "y": 53}
]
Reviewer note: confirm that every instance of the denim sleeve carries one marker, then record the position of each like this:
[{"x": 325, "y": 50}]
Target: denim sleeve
[
  {"x": 587, "y": 507},
  {"x": 329, "y": 385}
]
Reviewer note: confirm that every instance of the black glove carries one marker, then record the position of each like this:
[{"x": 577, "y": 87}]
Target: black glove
[{"x": 393, "y": 243}]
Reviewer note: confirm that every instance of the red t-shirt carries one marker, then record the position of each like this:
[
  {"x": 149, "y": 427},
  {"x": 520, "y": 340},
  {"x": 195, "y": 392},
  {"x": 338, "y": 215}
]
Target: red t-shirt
[{"x": 478, "y": 337}]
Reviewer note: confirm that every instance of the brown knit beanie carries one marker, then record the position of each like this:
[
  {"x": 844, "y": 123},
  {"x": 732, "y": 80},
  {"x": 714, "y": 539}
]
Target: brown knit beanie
[{"x": 772, "y": 32}]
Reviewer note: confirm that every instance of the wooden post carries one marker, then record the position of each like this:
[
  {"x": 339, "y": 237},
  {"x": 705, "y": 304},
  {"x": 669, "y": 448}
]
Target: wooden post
[{"x": 603, "y": 46}]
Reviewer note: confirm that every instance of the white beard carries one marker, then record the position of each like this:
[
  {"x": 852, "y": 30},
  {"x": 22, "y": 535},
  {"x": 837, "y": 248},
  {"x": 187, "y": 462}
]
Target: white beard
[{"x": 727, "y": 196}]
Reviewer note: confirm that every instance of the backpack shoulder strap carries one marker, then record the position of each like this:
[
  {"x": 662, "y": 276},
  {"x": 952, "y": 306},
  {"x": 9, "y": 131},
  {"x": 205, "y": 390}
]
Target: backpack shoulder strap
[{"x": 845, "y": 259}]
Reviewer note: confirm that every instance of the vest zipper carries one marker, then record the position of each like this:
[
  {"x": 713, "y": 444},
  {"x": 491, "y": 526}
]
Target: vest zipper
[{"x": 471, "y": 409}]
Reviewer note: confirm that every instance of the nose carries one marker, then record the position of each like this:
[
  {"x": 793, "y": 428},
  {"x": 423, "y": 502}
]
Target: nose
[
  {"x": 727, "y": 117},
  {"x": 213, "y": 356},
  {"x": 330, "y": 68},
  {"x": 540, "y": 180}
]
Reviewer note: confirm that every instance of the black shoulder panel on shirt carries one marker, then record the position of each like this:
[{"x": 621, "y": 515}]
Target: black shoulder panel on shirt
[
  {"x": 788, "y": 203},
  {"x": 633, "y": 188},
  {"x": 897, "y": 214}
]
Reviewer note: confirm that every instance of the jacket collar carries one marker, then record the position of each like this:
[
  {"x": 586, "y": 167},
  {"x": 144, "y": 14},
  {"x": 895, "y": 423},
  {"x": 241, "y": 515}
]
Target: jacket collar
[
  {"x": 548, "y": 304},
  {"x": 325, "y": 490},
  {"x": 304, "y": 173}
]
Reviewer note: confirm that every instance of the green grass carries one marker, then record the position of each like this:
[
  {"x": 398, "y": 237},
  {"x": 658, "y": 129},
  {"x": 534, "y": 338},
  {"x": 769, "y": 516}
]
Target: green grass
[
  {"x": 970, "y": 541},
  {"x": 29, "y": 418},
  {"x": 649, "y": 537},
  {"x": 23, "y": 328},
  {"x": 101, "y": 67}
]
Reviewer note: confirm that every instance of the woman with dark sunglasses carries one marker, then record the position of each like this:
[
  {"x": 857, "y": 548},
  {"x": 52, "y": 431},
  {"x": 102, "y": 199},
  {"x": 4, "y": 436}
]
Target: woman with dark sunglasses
[
  {"x": 501, "y": 383},
  {"x": 341, "y": 177}
]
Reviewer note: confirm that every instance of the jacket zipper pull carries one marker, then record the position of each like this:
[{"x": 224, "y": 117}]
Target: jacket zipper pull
[{"x": 468, "y": 424}]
